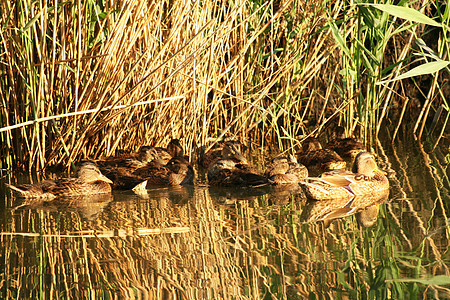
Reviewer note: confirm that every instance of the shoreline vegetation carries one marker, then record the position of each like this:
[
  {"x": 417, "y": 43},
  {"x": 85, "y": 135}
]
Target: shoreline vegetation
[{"x": 86, "y": 79}]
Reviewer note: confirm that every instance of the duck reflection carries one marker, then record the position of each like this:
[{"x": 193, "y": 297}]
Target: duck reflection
[
  {"x": 229, "y": 194},
  {"x": 282, "y": 194},
  {"x": 89, "y": 207},
  {"x": 178, "y": 195},
  {"x": 365, "y": 207}
]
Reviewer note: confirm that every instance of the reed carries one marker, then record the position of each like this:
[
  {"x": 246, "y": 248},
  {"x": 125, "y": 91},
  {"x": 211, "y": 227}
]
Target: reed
[{"x": 259, "y": 70}]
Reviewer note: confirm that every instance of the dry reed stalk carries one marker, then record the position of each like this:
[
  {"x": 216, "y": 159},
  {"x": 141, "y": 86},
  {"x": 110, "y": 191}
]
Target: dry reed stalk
[
  {"x": 145, "y": 51},
  {"x": 104, "y": 234},
  {"x": 248, "y": 70}
]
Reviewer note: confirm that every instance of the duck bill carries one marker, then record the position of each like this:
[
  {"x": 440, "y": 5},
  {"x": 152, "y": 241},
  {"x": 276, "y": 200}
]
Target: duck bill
[
  {"x": 104, "y": 179},
  {"x": 160, "y": 161},
  {"x": 380, "y": 171},
  {"x": 240, "y": 158}
]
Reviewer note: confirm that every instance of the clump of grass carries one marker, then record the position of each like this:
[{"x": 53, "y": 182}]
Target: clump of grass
[{"x": 255, "y": 70}]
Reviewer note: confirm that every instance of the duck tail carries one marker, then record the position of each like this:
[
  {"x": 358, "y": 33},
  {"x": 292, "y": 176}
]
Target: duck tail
[
  {"x": 30, "y": 191},
  {"x": 16, "y": 190},
  {"x": 313, "y": 190},
  {"x": 141, "y": 188},
  {"x": 253, "y": 180}
]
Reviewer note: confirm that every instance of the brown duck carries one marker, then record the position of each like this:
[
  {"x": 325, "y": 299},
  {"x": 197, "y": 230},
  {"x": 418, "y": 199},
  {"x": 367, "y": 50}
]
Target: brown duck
[
  {"x": 177, "y": 171},
  {"x": 169, "y": 171},
  {"x": 120, "y": 170},
  {"x": 346, "y": 147},
  {"x": 364, "y": 179},
  {"x": 209, "y": 158},
  {"x": 286, "y": 170},
  {"x": 90, "y": 181},
  {"x": 173, "y": 149},
  {"x": 131, "y": 161},
  {"x": 316, "y": 158},
  {"x": 232, "y": 169}
]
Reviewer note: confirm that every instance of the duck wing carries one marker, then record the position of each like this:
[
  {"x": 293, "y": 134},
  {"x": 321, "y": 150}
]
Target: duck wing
[
  {"x": 337, "y": 178},
  {"x": 76, "y": 188}
]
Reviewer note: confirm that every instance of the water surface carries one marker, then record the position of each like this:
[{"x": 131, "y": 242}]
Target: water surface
[{"x": 204, "y": 243}]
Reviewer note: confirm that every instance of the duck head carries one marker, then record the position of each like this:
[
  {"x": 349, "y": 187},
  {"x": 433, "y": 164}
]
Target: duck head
[
  {"x": 147, "y": 154},
  {"x": 231, "y": 151},
  {"x": 88, "y": 172},
  {"x": 365, "y": 164},
  {"x": 311, "y": 144},
  {"x": 174, "y": 148}
]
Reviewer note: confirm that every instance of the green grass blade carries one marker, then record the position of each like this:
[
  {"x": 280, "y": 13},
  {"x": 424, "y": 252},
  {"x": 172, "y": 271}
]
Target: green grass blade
[
  {"x": 339, "y": 39},
  {"x": 32, "y": 21},
  {"x": 405, "y": 13},
  {"x": 427, "y": 68},
  {"x": 436, "y": 280}
]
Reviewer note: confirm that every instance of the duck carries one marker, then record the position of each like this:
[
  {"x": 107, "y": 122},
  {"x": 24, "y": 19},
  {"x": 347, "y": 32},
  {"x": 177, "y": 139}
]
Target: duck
[
  {"x": 232, "y": 169},
  {"x": 150, "y": 167},
  {"x": 285, "y": 170},
  {"x": 314, "y": 157},
  {"x": 364, "y": 179},
  {"x": 173, "y": 149},
  {"x": 120, "y": 169},
  {"x": 89, "y": 181},
  {"x": 132, "y": 161},
  {"x": 213, "y": 155},
  {"x": 346, "y": 147},
  {"x": 177, "y": 171}
]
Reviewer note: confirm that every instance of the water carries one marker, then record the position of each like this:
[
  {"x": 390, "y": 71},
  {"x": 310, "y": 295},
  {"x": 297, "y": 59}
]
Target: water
[{"x": 204, "y": 243}]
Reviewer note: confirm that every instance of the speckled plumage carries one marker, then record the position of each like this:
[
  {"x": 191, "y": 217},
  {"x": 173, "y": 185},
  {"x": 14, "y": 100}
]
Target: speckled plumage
[
  {"x": 177, "y": 171},
  {"x": 174, "y": 149},
  {"x": 365, "y": 178},
  {"x": 207, "y": 159},
  {"x": 313, "y": 156},
  {"x": 285, "y": 170},
  {"x": 232, "y": 169},
  {"x": 131, "y": 161},
  {"x": 346, "y": 147},
  {"x": 90, "y": 181},
  {"x": 159, "y": 166}
]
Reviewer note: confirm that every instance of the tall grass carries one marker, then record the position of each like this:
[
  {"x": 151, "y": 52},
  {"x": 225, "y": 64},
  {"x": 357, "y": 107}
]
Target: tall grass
[{"x": 263, "y": 70}]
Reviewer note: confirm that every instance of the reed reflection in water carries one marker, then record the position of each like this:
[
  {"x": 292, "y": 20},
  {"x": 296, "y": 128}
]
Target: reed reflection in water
[{"x": 200, "y": 242}]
